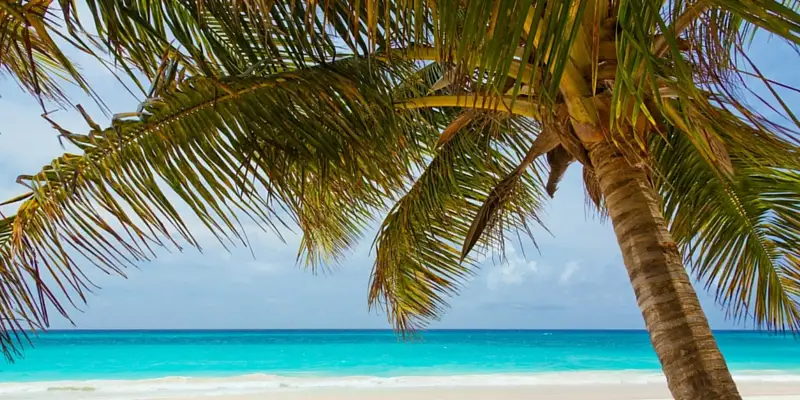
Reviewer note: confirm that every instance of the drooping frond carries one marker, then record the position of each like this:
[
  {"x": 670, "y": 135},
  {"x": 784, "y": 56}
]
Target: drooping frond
[
  {"x": 418, "y": 247},
  {"x": 301, "y": 143},
  {"x": 495, "y": 206},
  {"x": 739, "y": 233},
  {"x": 726, "y": 171},
  {"x": 28, "y": 52}
]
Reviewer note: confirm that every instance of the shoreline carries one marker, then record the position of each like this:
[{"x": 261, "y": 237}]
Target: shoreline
[{"x": 587, "y": 385}]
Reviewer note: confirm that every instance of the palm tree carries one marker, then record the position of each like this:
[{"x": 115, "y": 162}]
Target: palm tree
[{"x": 322, "y": 113}]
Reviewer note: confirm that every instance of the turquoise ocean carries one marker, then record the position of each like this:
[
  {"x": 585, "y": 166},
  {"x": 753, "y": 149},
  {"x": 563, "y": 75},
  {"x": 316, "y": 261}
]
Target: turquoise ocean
[{"x": 134, "y": 364}]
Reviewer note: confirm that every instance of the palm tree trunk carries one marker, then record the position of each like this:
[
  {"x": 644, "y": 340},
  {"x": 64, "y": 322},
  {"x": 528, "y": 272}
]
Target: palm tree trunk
[{"x": 679, "y": 331}]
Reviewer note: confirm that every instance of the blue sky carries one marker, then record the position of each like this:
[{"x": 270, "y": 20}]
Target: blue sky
[{"x": 578, "y": 280}]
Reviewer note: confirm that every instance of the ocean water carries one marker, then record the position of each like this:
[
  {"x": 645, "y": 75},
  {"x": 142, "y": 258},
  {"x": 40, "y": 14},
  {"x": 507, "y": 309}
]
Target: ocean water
[{"x": 133, "y": 364}]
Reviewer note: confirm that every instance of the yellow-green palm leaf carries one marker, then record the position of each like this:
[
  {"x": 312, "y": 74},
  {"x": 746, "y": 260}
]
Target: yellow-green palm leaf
[
  {"x": 299, "y": 145},
  {"x": 28, "y": 52}
]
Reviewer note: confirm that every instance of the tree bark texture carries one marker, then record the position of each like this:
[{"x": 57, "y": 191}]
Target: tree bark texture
[{"x": 679, "y": 331}]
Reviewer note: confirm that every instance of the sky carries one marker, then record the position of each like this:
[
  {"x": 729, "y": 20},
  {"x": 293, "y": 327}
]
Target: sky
[{"x": 576, "y": 281}]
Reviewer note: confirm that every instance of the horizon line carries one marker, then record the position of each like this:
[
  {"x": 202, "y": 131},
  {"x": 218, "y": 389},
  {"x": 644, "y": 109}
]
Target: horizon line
[{"x": 375, "y": 329}]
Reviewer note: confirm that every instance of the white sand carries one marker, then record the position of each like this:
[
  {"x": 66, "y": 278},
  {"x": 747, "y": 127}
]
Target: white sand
[
  {"x": 646, "y": 391},
  {"x": 613, "y": 385}
]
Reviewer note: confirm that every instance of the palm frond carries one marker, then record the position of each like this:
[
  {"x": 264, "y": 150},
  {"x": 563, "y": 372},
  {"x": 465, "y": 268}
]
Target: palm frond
[
  {"x": 209, "y": 37},
  {"x": 738, "y": 233},
  {"x": 418, "y": 256},
  {"x": 681, "y": 60},
  {"x": 29, "y": 53},
  {"x": 300, "y": 143},
  {"x": 495, "y": 205},
  {"x": 483, "y": 43}
]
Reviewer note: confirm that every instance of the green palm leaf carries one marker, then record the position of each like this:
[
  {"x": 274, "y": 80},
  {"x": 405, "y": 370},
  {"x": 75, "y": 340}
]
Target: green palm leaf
[
  {"x": 210, "y": 37},
  {"x": 300, "y": 143},
  {"x": 739, "y": 234},
  {"x": 418, "y": 247},
  {"x": 29, "y": 53}
]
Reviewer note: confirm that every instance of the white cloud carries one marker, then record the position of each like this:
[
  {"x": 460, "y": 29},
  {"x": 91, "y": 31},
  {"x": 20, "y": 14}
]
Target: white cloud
[
  {"x": 513, "y": 271},
  {"x": 569, "y": 271}
]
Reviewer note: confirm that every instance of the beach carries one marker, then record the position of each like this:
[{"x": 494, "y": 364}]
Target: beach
[
  {"x": 563, "y": 386},
  {"x": 750, "y": 391},
  {"x": 360, "y": 365},
  {"x": 214, "y": 389}
]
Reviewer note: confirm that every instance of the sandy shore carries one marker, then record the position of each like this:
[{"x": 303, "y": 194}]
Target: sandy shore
[
  {"x": 649, "y": 391},
  {"x": 546, "y": 386}
]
